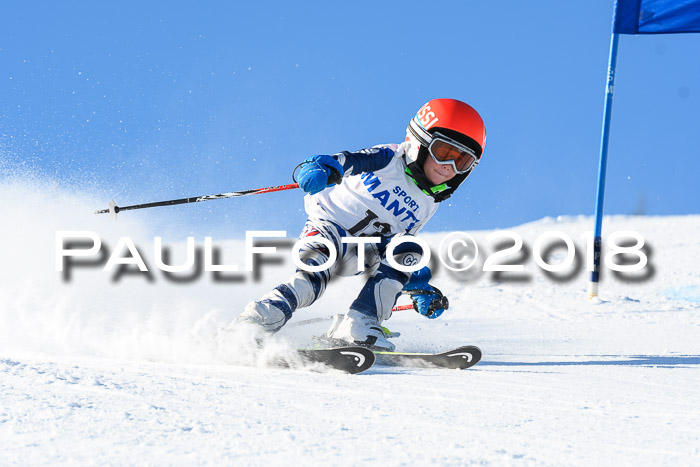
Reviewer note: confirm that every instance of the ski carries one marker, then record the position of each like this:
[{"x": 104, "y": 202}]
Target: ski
[
  {"x": 459, "y": 358},
  {"x": 350, "y": 359}
]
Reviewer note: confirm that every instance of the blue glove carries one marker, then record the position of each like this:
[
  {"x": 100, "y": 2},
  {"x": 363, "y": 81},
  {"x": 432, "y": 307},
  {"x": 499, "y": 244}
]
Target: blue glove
[
  {"x": 319, "y": 172},
  {"x": 427, "y": 300}
]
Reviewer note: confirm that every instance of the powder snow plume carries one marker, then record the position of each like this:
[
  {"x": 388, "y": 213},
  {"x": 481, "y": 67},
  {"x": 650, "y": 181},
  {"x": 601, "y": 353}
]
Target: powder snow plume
[{"x": 93, "y": 314}]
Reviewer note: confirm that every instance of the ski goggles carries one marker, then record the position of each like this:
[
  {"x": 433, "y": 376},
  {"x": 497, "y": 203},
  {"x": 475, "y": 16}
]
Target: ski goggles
[{"x": 445, "y": 151}]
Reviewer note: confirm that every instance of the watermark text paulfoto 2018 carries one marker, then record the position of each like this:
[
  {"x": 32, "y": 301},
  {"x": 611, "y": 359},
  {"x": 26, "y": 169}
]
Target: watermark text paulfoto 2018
[{"x": 458, "y": 252}]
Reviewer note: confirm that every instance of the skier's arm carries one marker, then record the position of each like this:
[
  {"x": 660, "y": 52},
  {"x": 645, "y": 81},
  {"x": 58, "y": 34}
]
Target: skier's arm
[
  {"x": 366, "y": 160},
  {"x": 321, "y": 171}
]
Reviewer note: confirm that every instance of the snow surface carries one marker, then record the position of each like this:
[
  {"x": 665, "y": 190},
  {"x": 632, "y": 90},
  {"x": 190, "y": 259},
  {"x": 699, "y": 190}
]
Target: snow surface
[{"x": 137, "y": 371}]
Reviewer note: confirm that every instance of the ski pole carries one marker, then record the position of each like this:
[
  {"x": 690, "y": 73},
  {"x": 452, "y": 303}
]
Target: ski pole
[{"x": 113, "y": 209}]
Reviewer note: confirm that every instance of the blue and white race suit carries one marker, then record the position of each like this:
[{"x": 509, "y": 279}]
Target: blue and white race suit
[{"x": 376, "y": 198}]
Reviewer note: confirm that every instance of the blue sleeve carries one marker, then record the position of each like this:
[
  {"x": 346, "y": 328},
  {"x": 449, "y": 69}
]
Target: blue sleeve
[{"x": 366, "y": 160}]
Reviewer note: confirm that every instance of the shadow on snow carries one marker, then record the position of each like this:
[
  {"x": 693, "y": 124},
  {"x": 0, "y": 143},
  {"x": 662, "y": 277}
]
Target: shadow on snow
[{"x": 621, "y": 360}]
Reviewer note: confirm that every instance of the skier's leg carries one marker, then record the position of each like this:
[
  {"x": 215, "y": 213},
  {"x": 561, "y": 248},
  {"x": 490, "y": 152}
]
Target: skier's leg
[
  {"x": 362, "y": 324},
  {"x": 275, "y": 308}
]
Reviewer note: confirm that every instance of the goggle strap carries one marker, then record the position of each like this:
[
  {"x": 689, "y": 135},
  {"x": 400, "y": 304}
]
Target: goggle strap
[{"x": 421, "y": 134}]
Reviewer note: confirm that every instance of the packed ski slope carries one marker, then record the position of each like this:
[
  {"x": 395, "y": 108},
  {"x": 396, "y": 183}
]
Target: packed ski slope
[{"x": 96, "y": 370}]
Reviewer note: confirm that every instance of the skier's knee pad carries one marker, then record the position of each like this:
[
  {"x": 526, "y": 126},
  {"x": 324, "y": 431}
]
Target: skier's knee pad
[
  {"x": 380, "y": 292},
  {"x": 382, "y": 289}
]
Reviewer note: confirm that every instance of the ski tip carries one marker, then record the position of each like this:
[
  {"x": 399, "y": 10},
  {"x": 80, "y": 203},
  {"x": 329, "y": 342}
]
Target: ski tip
[
  {"x": 350, "y": 359},
  {"x": 463, "y": 357},
  {"x": 458, "y": 358},
  {"x": 358, "y": 359}
]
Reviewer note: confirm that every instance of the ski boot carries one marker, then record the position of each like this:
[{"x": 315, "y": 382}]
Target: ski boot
[
  {"x": 258, "y": 321},
  {"x": 357, "y": 328}
]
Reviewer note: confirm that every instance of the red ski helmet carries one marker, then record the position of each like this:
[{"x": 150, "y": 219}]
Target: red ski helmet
[{"x": 450, "y": 118}]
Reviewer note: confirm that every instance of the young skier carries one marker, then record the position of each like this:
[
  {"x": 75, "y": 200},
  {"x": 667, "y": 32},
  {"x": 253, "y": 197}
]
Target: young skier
[{"x": 386, "y": 191}]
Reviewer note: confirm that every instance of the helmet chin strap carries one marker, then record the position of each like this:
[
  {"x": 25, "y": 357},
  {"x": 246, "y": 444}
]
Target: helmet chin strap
[{"x": 421, "y": 180}]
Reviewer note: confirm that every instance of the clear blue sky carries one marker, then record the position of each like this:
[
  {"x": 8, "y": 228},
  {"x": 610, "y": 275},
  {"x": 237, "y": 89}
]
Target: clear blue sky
[{"x": 156, "y": 100}]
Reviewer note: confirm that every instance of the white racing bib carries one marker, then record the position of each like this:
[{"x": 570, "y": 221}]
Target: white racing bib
[{"x": 385, "y": 202}]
